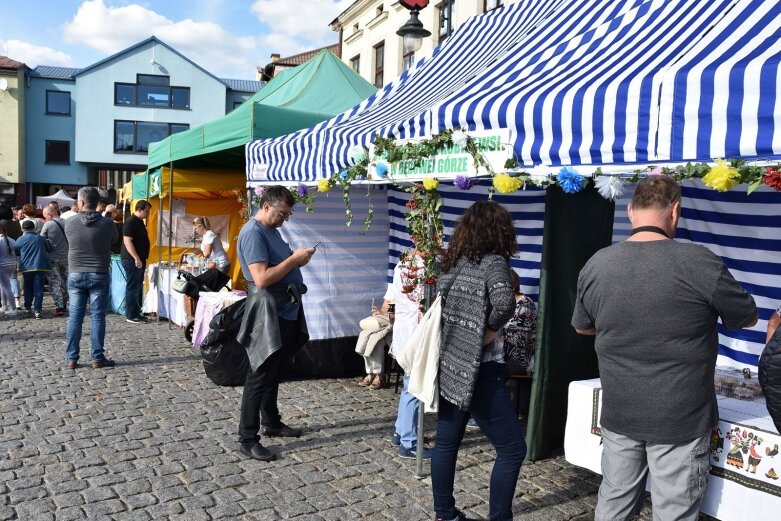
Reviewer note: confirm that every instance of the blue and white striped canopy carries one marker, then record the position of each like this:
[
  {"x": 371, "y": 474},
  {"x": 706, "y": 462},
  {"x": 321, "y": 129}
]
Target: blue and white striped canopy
[{"x": 577, "y": 82}]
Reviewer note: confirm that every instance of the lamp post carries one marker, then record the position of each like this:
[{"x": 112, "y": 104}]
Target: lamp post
[{"x": 413, "y": 32}]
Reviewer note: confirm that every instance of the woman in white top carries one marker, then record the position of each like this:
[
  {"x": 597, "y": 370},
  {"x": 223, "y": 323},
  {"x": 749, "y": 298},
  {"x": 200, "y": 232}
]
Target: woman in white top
[
  {"x": 211, "y": 245},
  {"x": 7, "y": 270}
]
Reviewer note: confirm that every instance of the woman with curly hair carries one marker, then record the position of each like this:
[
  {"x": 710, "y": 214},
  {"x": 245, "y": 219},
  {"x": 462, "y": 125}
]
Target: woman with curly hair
[{"x": 478, "y": 301}]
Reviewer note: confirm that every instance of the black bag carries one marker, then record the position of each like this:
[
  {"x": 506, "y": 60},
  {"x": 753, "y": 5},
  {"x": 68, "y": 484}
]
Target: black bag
[
  {"x": 770, "y": 376},
  {"x": 225, "y": 361}
]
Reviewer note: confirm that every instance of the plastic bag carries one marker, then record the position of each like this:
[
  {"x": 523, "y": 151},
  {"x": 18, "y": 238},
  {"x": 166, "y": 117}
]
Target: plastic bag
[{"x": 225, "y": 361}]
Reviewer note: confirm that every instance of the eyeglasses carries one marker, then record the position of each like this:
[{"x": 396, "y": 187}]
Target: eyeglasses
[{"x": 285, "y": 215}]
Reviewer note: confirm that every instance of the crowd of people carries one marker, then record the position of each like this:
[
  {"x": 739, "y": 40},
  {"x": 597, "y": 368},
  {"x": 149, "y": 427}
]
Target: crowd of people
[{"x": 656, "y": 353}]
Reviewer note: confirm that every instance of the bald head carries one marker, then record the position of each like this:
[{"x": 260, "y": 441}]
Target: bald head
[{"x": 50, "y": 213}]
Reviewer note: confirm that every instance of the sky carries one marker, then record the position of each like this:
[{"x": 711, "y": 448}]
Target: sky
[{"x": 228, "y": 38}]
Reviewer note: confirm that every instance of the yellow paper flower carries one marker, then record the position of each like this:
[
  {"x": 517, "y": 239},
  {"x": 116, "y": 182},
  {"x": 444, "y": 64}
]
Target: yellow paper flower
[
  {"x": 721, "y": 177},
  {"x": 429, "y": 183},
  {"x": 506, "y": 184},
  {"x": 323, "y": 185}
]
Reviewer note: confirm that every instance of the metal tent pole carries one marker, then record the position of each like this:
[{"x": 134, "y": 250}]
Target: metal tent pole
[{"x": 170, "y": 237}]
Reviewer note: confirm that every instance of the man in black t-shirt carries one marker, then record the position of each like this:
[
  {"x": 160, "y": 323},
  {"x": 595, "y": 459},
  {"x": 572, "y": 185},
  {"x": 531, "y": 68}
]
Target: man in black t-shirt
[{"x": 135, "y": 250}]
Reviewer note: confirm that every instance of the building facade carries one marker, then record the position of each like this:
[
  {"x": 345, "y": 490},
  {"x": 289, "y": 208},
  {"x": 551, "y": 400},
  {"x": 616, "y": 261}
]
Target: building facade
[
  {"x": 93, "y": 126},
  {"x": 12, "y": 109},
  {"x": 370, "y": 45}
]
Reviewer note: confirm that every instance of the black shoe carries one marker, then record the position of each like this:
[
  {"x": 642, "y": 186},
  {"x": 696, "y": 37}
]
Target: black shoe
[
  {"x": 283, "y": 431},
  {"x": 103, "y": 362},
  {"x": 136, "y": 320},
  {"x": 258, "y": 452},
  {"x": 460, "y": 517}
]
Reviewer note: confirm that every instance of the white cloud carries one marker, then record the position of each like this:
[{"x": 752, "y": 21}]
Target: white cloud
[
  {"x": 297, "y": 26},
  {"x": 111, "y": 29},
  {"x": 34, "y": 55}
]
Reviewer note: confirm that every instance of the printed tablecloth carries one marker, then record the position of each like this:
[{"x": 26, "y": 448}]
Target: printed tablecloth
[{"x": 744, "y": 480}]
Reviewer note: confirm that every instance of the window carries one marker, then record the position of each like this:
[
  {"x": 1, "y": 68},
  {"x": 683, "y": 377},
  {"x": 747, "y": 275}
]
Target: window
[
  {"x": 151, "y": 90},
  {"x": 355, "y": 63},
  {"x": 379, "y": 10},
  {"x": 58, "y": 102},
  {"x": 135, "y": 136},
  {"x": 447, "y": 12},
  {"x": 58, "y": 152},
  {"x": 407, "y": 60},
  {"x": 489, "y": 5},
  {"x": 379, "y": 59}
]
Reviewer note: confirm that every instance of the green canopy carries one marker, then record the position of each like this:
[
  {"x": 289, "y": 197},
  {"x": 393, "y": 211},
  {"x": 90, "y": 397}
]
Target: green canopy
[{"x": 297, "y": 98}]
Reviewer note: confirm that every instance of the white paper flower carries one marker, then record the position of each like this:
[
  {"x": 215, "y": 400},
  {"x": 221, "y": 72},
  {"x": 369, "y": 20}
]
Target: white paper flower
[
  {"x": 539, "y": 179},
  {"x": 610, "y": 187},
  {"x": 459, "y": 138},
  {"x": 356, "y": 153}
]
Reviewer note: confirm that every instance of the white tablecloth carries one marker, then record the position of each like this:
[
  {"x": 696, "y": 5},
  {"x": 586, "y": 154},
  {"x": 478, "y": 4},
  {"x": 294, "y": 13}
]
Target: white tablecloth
[
  {"x": 209, "y": 304},
  {"x": 735, "y": 492},
  {"x": 157, "y": 299}
]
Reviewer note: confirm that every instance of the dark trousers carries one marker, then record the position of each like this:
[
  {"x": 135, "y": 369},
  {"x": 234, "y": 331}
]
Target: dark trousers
[
  {"x": 33, "y": 289},
  {"x": 259, "y": 401},
  {"x": 494, "y": 413},
  {"x": 134, "y": 287}
]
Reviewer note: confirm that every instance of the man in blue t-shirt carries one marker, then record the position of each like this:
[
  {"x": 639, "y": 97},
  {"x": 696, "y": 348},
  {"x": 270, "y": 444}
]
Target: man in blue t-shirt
[{"x": 268, "y": 263}]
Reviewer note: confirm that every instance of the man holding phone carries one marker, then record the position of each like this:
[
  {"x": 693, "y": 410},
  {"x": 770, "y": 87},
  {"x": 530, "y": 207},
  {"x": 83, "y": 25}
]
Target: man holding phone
[{"x": 273, "y": 327}]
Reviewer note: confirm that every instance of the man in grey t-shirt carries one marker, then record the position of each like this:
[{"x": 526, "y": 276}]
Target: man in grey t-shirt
[
  {"x": 54, "y": 231},
  {"x": 90, "y": 236},
  {"x": 653, "y": 305}
]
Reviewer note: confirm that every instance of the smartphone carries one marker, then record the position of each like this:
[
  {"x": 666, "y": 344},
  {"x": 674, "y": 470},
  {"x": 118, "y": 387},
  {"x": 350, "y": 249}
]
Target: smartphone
[{"x": 316, "y": 245}]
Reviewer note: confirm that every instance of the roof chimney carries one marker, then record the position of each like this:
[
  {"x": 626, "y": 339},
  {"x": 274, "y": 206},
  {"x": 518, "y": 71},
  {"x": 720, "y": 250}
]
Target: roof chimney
[{"x": 275, "y": 57}]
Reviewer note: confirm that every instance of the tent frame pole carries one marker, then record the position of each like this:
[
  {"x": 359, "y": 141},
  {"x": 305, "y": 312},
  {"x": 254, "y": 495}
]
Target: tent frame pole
[{"x": 170, "y": 237}]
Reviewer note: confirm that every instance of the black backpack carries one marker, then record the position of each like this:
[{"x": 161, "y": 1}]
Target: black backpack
[{"x": 770, "y": 376}]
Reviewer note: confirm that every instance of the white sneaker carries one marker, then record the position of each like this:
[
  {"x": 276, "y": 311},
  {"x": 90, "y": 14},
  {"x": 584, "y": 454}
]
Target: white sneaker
[{"x": 11, "y": 313}]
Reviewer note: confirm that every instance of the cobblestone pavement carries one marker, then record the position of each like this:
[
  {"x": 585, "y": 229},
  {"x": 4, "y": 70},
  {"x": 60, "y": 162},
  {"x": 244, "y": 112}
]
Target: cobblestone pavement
[{"x": 153, "y": 438}]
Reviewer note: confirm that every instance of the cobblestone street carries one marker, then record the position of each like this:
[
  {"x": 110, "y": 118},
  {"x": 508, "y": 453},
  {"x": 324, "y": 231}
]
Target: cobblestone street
[{"x": 153, "y": 438}]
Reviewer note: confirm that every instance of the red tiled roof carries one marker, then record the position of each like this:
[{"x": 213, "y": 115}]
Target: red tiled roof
[
  {"x": 298, "y": 59},
  {"x": 8, "y": 63}
]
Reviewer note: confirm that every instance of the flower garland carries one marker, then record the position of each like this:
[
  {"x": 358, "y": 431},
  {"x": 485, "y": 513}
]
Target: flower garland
[{"x": 424, "y": 222}]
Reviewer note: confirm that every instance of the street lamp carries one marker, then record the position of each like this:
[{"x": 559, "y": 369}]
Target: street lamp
[{"x": 413, "y": 32}]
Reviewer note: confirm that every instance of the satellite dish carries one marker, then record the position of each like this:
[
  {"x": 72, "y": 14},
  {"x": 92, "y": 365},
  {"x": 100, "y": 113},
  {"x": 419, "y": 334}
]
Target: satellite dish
[{"x": 3, "y": 84}]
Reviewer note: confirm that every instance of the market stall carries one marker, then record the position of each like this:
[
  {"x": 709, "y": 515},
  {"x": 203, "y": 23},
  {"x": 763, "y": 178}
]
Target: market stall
[{"x": 592, "y": 89}]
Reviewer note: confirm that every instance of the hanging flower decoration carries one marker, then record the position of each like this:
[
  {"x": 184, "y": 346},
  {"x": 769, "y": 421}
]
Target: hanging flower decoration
[
  {"x": 430, "y": 183},
  {"x": 459, "y": 138},
  {"x": 610, "y": 187},
  {"x": 356, "y": 153},
  {"x": 721, "y": 177},
  {"x": 506, "y": 184},
  {"x": 772, "y": 178},
  {"x": 570, "y": 181},
  {"x": 381, "y": 169},
  {"x": 323, "y": 186},
  {"x": 259, "y": 190},
  {"x": 463, "y": 182},
  {"x": 656, "y": 171},
  {"x": 304, "y": 196}
]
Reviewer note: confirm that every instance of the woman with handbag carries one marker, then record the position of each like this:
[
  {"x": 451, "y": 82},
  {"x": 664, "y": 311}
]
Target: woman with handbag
[
  {"x": 7, "y": 270},
  {"x": 479, "y": 300}
]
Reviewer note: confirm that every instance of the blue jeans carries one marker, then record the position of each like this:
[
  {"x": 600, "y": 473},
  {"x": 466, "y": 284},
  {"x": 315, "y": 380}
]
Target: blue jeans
[
  {"x": 492, "y": 409},
  {"x": 407, "y": 419},
  {"x": 134, "y": 284},
  {"x": 87, "y": 289},
  {"x": 33, "y": 289}
]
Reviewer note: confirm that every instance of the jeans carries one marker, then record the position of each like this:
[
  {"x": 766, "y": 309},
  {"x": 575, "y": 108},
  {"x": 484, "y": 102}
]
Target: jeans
[
  {"x": 679, "y": 473},
  {"x": 493, "y": 411},
  {"x": 407, "y": 419},
  {"x": 7, "y": 298},
  {"x": 134, "y": 285},
  {"x": 33, "y": 289},
  {"x": 259, "y": 400},
  {"x": 87, "y": 289}
]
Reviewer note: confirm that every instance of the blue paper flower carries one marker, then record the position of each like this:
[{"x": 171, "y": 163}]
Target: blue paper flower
[
  {"x": 570, "y": 181},
  {"x": 302, "y": 190},
  {"x": 380, "y": 169},
  {"x": 344, "y": 175}
]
